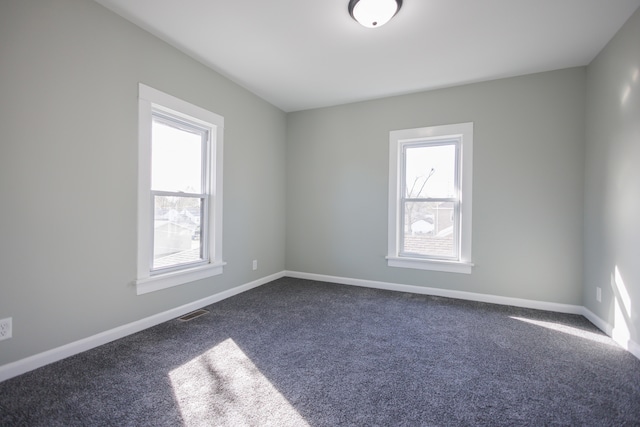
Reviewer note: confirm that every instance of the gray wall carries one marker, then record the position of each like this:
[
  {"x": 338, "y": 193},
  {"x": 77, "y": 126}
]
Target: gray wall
[
  {"x": 527, "y": 189},
  {"x": 69, "y": 74},
  {"x": 612, "y": 185}
]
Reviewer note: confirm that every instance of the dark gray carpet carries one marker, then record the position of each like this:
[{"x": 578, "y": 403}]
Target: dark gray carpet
[{"x": 296, "y": 352}]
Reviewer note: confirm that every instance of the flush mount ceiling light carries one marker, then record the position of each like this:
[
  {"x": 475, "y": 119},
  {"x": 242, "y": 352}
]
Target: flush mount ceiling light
[{"x": 373, "y": 13}]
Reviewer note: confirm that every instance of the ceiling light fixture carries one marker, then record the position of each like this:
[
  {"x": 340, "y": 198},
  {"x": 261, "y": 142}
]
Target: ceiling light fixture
[{"x": 373, "y": 13}]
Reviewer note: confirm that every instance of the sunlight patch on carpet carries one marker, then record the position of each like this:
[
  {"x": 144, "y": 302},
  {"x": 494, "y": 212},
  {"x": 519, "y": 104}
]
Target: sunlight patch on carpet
[
  {"x": 224, "y": 387},
  {"x": 602, "y": 339}
]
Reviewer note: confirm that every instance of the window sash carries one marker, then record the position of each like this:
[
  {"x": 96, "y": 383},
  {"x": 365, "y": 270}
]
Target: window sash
[
  {"x": 204, "y": 257},
  {"x": 185, "y": 125},
  {"x": 455, "y": 251},
  {"x": 178, "y": 122},
  {"x": 404, "y": 199}
]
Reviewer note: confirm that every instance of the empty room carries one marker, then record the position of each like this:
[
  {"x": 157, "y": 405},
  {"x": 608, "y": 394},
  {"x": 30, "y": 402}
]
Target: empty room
[{"x": 319, "y": 213}]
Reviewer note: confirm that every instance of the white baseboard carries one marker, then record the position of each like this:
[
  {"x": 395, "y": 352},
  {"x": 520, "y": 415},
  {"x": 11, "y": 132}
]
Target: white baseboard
[
  {"x": 19, "y": 367},
  {"x": 471, "y": 296},
  {"x": 629, "y": 345},
  {"x": 36, "y": 361},
  {"x": 600, "y": 324}
]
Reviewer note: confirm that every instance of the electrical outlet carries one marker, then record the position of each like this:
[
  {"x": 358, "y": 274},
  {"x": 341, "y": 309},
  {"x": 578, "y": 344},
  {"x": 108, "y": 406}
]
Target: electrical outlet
[
  {"x": 255, "y": 264},
  {"x": 5, "y": 328},
  {"x": 598, "y": 294}
]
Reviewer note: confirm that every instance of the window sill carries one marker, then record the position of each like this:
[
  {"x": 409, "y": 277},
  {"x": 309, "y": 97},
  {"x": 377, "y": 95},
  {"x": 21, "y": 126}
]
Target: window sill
[
  {"x": 175, "y": 278},
  {"x": 434, "y": 265}
]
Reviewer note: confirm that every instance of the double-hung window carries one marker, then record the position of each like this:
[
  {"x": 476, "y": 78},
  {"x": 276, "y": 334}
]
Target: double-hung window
[
  {"x": 179, "y": 191},
  {"x": 430, "y": 198}
]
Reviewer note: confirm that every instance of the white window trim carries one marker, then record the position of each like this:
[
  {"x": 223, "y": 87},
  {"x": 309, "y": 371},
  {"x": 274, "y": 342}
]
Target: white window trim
[
  {"x": 150, "y": 99},
  {"x": 396, "y": 140}
]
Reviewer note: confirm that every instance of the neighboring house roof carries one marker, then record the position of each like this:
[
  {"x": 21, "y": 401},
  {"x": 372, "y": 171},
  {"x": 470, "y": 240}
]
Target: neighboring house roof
[
  {"x": 182, "y": 257},
  {"x": 162, "y": 222}
]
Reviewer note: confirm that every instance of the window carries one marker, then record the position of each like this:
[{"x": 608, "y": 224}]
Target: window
[
  {"x": 179, "y": 191},
  {"x": 430, "y": 198}
]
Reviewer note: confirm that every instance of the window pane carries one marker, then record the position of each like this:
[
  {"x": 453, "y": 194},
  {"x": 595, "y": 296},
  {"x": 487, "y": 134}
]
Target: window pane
[
  {"x": 176, "y": 158},
  {"x": 429, "y": 229},
  {"x": 177, "y": 235},
  {"x": 430, "y": 171}
]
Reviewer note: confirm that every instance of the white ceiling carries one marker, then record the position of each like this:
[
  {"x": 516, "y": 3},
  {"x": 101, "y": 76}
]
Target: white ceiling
[{"x": 301, "y": 54}]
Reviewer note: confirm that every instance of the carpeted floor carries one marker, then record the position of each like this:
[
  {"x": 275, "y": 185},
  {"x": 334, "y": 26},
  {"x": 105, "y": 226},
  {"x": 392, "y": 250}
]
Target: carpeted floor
[{"x": 296, "y": 352}]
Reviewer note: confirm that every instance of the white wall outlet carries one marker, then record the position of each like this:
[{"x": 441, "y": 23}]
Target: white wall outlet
[
  {"x": 598, "y": 294},
  {"x": 255, "y": 264},
  {"x": 5, "y": 328}
]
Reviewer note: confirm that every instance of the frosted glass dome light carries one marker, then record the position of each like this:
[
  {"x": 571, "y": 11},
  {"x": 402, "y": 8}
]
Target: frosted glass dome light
[{"x": 373, "y": 13}]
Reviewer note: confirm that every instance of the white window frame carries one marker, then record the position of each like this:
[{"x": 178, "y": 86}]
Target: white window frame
[
  {"x": 399, "y": 140},
  {"x": 151, "y": 100}
]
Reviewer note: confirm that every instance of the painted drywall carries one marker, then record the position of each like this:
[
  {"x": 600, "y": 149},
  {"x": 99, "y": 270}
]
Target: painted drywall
[
  {"x": 527, "y": 186},
  {"x": 69, "y": 74},
  {"x": 612, "y": 183}
]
